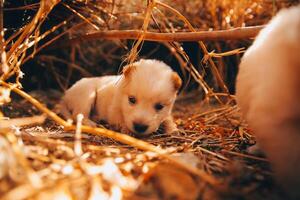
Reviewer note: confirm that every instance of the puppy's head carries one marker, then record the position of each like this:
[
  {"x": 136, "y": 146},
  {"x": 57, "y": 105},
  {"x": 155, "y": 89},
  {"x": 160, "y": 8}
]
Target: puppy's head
[{"x": 149, "y": 89}]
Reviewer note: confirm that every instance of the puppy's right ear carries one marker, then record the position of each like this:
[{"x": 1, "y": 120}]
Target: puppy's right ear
[
  {"x": 176, "y": 80},
  {"x": 128, "y": 70}
]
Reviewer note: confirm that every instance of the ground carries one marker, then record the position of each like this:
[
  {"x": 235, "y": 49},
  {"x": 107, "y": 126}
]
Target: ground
[{"x": 212, "y": 137}]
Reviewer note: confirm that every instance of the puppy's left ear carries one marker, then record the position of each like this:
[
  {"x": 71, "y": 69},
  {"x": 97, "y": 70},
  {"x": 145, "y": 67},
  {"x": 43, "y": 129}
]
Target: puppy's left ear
[
  {"x": 127, "y": 70},
  {"x": 176, "y": 81}
]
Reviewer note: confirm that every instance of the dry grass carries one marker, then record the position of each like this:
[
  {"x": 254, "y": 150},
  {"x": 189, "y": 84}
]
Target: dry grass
[{"x": 71, "y": 161}]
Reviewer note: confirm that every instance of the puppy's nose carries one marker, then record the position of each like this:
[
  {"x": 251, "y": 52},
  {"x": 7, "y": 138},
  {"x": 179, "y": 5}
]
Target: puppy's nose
[{"x": 140, "y": 128}]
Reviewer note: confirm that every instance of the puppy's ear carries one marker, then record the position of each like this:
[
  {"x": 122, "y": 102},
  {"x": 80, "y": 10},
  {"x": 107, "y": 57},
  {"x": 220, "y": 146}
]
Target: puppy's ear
[
  {"x": 176, "y": 81},
  {"x": 127, "y": 70}
]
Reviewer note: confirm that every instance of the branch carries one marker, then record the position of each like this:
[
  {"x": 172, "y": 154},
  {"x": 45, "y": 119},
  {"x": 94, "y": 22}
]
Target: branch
[{"x": 231, "y": 34}]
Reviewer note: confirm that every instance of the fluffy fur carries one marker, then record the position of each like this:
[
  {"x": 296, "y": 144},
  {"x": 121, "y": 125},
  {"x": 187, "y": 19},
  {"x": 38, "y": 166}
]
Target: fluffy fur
[
  {"x": 268, "y": 92},
  {"x": 139, "y": 101}
]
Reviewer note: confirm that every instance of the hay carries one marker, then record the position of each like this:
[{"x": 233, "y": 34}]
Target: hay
[{"x": 57, "y": 159}]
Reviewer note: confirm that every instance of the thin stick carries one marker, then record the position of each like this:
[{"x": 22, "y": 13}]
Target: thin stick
[
  {"x": 26, "y": 7},
  {"x": 201, "y": 44},
  {"x": 77, "y": 143},
  {"x": 22, "y": 121},
  {"x": 126, "y": 139},
  {"x": 3, "y": 64},
  {"x": 209, "y": 112},
  {"x": 1, "y": 28},
  {"x": 52, "y": 40},
  {"x": 231, "y": 34},
  {"x": 23, "y": 39},
  {"x": 135, "y": 49},
  {"x": 81, "y": 16},
  {"x": 245, "y": 155}
]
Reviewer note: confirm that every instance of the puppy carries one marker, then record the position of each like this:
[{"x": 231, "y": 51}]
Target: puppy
[
  {"x": 139, "y": 101},
  {"x": 268, "y": 92}
]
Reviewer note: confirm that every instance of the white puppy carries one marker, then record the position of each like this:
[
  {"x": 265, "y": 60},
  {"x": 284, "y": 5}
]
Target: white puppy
[
  {"x": 268, "y": 92},
  {"x": 139, "y": 101}
]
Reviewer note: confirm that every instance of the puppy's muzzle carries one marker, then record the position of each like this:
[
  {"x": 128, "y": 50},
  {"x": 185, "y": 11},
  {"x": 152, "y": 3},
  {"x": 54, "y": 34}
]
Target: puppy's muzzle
[{"x": 140, "y": 128}]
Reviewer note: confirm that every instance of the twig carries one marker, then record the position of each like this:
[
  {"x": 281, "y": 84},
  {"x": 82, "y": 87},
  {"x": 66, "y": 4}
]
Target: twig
[
  {"x": 81, "y": 16},
  {"x": 1, "y": 28},
  {"x": 73, "y": 65},
  {"x": 23, "y": 40},
  {"x": 231, "y": 34},
  {"x": 3, "y": 66},
  {"x": 201, "y": 44},
  {"x": 209, "y": 112},
  {"x": 245, "y": 155},
  {"x": 77, "y": 143},
  {"x": 22, "y": 121},
  {"x": 224, "y": 113},
  {"x": 26, "y": 7},
  {"x": 136, "y": 47}
]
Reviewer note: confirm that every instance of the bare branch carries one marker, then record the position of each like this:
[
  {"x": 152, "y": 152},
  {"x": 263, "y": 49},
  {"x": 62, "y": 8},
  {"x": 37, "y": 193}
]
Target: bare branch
[{"x": 232, "y": 34}]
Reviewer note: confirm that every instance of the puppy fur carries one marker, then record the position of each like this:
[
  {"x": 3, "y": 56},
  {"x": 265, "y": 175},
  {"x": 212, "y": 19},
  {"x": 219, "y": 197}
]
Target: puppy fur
[
  {"x": 139, "y": 101},
  {"x": 268, "y": 92}
]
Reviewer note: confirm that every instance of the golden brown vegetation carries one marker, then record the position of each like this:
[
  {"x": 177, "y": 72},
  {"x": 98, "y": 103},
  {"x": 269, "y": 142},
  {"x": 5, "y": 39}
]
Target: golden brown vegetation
[{"x": 208, "y": 154}]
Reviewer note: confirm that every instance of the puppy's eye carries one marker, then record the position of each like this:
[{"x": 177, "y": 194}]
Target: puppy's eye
[
  {"x": 132, "y": 100},
  {"x": 158, "y": 106}
]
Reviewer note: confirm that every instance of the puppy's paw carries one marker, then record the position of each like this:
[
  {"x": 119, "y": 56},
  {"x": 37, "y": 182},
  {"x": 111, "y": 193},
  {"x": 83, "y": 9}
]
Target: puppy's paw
[{"x": 168, "y": 126}]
